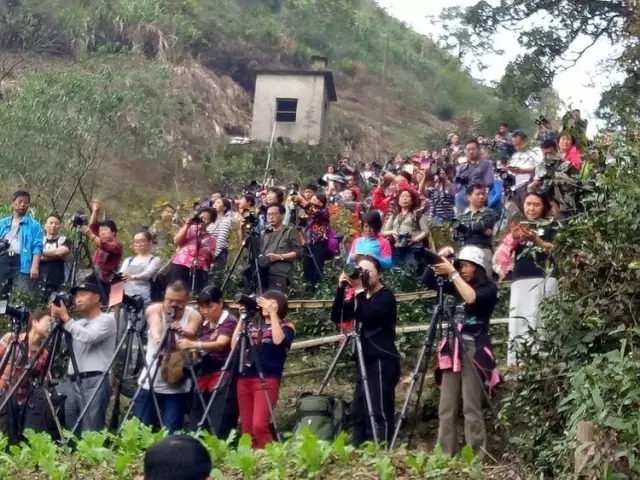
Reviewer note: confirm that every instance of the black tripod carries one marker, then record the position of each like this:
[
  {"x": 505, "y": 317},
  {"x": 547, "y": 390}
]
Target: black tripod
[
  {"x": 193, "y": 270},
  {"x": 355, "y": 337},
  {"x": 150, "y": 377},
  {"x": 451, "y": 330},
  {"x": 252, "y": 245},
  {"x": 54, "y": 341},
  {"x": 243, "y": 344},
  {"x": 80, "y": 249}
]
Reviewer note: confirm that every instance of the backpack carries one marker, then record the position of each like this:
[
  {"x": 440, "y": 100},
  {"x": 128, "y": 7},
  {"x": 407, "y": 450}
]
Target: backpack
[
  {"x": 38, "y": 416},
  {"x": 324, "y": 414}
]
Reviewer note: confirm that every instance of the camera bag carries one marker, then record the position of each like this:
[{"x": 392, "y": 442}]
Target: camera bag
[
  {"x": 9, "y": 419},
  {"x": 324, "y": 414}
]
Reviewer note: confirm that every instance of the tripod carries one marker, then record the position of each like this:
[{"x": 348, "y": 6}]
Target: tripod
[
  {"x": 243, "y": 344},
  {"x": 54, "y": 341},
  {"x": 454, "y": 332},
  {"x": 252, "y": 245},
  {"x": 80, "y": 248},
  {"x": 193, "y": 270},
  {"x": 355, "y": 337},
  {"x": 151, "y": 377}
]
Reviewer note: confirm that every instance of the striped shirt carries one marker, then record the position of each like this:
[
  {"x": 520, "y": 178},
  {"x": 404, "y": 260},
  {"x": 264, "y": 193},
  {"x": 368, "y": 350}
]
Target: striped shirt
[
  {"x": 441, "y": 203},
  {"x": 221, "y": 229}
]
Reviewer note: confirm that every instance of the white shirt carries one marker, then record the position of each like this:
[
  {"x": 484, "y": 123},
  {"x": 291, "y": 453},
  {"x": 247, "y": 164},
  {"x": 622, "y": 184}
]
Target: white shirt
[{"x": 530, "y": 157}]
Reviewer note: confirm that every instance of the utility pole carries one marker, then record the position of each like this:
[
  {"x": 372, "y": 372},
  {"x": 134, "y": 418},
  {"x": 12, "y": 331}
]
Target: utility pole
[{"x": 383, "y": 94}]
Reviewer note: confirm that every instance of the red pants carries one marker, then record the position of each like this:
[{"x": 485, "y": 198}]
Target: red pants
[
  {"x": 254, "y": 410},
  {"x": 209, "y": 381}
]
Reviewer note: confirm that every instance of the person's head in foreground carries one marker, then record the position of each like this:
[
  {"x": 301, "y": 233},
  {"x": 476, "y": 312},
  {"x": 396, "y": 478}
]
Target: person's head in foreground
[{"x": 177, "y": 457}]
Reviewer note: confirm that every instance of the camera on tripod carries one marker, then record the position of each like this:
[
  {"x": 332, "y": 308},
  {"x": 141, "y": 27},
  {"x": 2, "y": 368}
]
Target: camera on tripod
[
  {"x": 133, "y": 302},
  {"x": 508, "y": 179},
  {"x": 79, "y": 219},
  {"x": 247, "y": 302},
  {"x": 62, "y": 298},
  {"x": 18, "y": 316},
  {"x": 464, "y": 228},
  {"x": 541, "y": 120}
]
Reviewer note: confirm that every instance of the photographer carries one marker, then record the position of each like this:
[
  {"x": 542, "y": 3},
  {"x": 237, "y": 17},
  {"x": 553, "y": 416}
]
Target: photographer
[
  {"x": 475, "y": 226},
  {"x": 108, "y": 253},
  {"x": 30, "y": 340},
  {"x": 270, "y": 341},
  {"x": 406, "y": 229},
  {"x": 374, "y": 309},
  {"x": 221, "y": 229},
  {"x": 280, "y": 246},
  {"x": 472, "y": 287},
  {"x": 534, "y": 270},
  {"x": 164, "y": 229},
  {"x": 54, "y": 255},
  {"x": 195, "y": 252},
  {"x": 317, "y": 237},
  {"x": 442, "y": 195},
  {"x": 20, "y": 246},
  {"x": 211, "y": 348},
  {"x": 544, "y": 130},
  {"x": 476, "y": 170},
  {"x": 139, "y": 271},
  {"x": 94, "y": 341},
  {"x": 526, "y": 163},
  {"x": 170, "y": 386},
  {"x": 504, "y": 141}
]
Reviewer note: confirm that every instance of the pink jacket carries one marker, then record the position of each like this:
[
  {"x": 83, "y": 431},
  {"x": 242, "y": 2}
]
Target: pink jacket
[
  {"x": 574, "y": 158},
  {"x": 187, "y": 252}
]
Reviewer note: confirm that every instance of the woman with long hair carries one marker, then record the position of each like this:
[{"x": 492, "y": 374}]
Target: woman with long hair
[
  {"x": 317, "y": 237},
  {"x": 534, "y": 275},
  {"x": 196, "y": 247},
  {"x": 221, "y": 229},
  {"x": 569, "y": 150},
  {"x": 139, "y": 271},
  {"x": 470, "y": 284},
  {"x": 406, "y": 228}
]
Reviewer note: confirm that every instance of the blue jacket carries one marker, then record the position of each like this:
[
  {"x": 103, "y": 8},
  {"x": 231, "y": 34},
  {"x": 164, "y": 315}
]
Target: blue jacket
[
  {"x": 31, "y": 239},
  {"x": 495, "y": 195}
]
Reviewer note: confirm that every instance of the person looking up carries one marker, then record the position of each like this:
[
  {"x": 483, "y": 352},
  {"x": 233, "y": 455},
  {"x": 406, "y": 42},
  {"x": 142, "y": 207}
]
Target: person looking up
[{"x": 221, "y": 230}]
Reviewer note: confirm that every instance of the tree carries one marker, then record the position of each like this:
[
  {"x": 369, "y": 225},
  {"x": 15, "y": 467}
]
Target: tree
[{"x": 549, "y": 47}]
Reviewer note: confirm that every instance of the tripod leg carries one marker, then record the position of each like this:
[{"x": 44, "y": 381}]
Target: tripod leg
[
  {"x": 367, "y": 392},
  {"x": 233, "y": 266},
  {"x": 333, "y": 365},
  {"x": 418, "y": 376}
]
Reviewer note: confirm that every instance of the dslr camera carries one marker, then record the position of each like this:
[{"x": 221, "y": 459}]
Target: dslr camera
[
  {"x": 508, "y": 179},
  {"x": 79, "y": 219},
  {"x": 62, "y": 298},
  {"x": 541, "y": 120},
  {"x": 403, "y": 240},
  {"x": 4, "y": 246},
  {"x": 133, "y": 302},
  {"x": 354, "y": 272},
  {"x": 18, "y": 316},
  {"x": 195, "y": 220},
  {"x": 464, "y": 228}
]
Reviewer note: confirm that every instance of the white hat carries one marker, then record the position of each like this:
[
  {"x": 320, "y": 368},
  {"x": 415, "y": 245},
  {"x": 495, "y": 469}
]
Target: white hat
[{"x": 472, "y": 254}]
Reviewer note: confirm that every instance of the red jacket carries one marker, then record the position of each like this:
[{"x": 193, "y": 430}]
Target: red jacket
[{"x": 381, "y": 202}]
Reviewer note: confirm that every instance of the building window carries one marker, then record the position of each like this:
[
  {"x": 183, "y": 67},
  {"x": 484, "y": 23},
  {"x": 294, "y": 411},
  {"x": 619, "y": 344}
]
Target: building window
[{"x": 286, "y": 109}]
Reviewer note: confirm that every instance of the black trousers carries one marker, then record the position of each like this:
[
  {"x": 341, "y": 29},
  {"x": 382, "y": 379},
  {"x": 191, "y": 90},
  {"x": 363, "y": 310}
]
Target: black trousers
[
  {"x": 180, "y": 272},
  {"x": 9, "y": 273},
  {"x": 313, "y": 262},
  {"x": 383, "y": 375}
]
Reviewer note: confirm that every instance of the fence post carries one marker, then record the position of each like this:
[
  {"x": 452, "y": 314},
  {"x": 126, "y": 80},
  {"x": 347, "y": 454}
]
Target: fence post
[{"x": 584, "y": 452}]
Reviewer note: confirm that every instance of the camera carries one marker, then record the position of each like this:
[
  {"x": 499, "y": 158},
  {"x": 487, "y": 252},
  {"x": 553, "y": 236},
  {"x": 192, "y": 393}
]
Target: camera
[
  {"x": 541, "y": 120},
  {"x": 292, "y": 189},
  {"x": 432, "y": 258},
  {"x": 508, "y": 179},
  {"x": 4, "y": 246},
  {"x": 133, "y": 302},
  {"x": 79, "y": 219},
  {"x": 463, "y": 229},
  {"x": 463, "y": 181},
  {"x": 62, "y": 298},
  {"x": 354, "y": 272},
  {"x": 403, "y": 240},
  {"x": 247, "y": 302},
  {"x": 195, "y": 220},
  {"x": 18, "y": 316},
  {"x": 249, "y": 219}
]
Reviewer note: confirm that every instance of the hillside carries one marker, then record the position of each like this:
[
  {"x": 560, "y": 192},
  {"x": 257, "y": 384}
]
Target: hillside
[{"x": 175, "y": 76}]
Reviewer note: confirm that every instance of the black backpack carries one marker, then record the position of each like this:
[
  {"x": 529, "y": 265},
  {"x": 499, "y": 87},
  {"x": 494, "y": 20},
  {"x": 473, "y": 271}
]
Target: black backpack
[
  {"x": 38, "y": 415},
  {"x": 9, "y": 419},
  {"x": 324, "y": 414}
]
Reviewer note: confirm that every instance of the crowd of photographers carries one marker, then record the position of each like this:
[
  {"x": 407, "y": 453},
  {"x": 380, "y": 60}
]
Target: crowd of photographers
[{"x": 503, "y": 201}]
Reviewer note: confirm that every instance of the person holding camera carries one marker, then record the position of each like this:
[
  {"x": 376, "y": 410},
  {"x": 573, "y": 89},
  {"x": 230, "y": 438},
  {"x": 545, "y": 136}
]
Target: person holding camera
[
  {"x": 210, "y": 349},
  {"x": 534, "y": 275},
  {"x": 406, "y": 229},
  {"x": 544, "y": 130},
  {"x": 196, "y": 246},
  {"x": 317, "y": 237},
  {"x": 20, "y": 246},
  {"x": 526, "y": 164},
  {"x": 108, "y": 249},
  {"x": 280, "y": 247},
  {"x": 374, "y": 309},
  {"x": 140, "y": 270},
  {"x": 165, "y": 362},
  {"x": 459, "y": 384},
  {"x": 94, "y": 341},
  {"x": 270, "y": 342},
  {"x": 475, "y": 226},
  {"x": 54, "y": 255},
  {"x": 441, "y": 195}
]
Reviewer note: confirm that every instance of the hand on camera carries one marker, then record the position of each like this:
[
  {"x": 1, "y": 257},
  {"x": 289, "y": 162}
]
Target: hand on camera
[
  {"x": 184, "y": 344},
  {"x": 176, "y": 327},
  {"x": 443, "y": 268},
  {"x": 343, "y": 280},
  {"x": 59, "y": 312},
  {"x": 446, "y": 252}
]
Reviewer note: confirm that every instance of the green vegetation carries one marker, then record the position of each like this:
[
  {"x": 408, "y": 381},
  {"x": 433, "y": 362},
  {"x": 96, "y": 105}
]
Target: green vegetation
[{"x": 303, "y": 456}]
